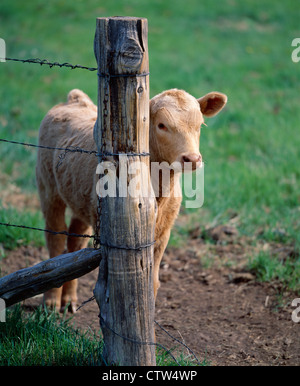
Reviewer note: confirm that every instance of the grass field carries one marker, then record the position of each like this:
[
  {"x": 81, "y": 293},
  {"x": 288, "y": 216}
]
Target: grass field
[{"x": 251, "y": 150}]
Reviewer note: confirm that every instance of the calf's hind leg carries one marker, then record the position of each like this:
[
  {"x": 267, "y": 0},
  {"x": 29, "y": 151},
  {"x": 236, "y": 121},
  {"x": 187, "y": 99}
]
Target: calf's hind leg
[
  {"x": 54, "y": 213},
  {"x": 69, "y": 291}
]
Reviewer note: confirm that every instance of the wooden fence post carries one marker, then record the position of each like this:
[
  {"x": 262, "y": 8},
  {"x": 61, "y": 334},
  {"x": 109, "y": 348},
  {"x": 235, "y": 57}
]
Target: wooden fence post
[{"x": 124, "y": 290}]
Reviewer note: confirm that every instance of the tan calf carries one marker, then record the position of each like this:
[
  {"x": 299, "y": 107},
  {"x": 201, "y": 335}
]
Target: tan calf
[{"x": 175, "y": 121}]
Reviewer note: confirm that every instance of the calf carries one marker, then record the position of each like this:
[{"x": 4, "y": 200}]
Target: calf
[{"x": 175, "y": 121}]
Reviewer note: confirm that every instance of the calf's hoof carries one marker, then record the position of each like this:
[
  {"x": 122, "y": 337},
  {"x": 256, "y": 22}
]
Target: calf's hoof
[
  {"x": 71, "y": 306},
  {"x": 52, "y": 301}
]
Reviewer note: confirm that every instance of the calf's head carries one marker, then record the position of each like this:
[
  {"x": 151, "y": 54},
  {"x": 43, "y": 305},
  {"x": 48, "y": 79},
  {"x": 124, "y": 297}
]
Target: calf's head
[{"x": 175, "y": 121}]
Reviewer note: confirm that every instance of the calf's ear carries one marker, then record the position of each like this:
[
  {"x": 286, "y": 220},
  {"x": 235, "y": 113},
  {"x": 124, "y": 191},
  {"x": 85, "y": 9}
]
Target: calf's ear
[{"x": 212, "y": 103}]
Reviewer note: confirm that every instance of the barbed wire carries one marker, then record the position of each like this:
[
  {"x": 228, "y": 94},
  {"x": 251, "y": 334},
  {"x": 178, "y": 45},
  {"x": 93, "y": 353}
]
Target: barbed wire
[
  {"x": 179, "y": 341},
  {"x": 71, "y": 149},
  {"x": 65, "y": 233},
  {"x": 46, "y": 62},
  {"x": 137, "y": 341},
  {"x": 76, "y": 149},
  {"x": 92, "y": 298}
]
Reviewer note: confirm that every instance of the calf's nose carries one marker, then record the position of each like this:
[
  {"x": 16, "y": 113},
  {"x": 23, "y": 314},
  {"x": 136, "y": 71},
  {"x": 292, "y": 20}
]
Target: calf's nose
[{"x": 193, "y": 157}]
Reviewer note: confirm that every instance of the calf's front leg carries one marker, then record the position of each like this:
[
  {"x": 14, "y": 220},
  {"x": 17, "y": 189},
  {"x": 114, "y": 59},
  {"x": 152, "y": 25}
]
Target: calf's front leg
[{"x": 159, "y": 249}]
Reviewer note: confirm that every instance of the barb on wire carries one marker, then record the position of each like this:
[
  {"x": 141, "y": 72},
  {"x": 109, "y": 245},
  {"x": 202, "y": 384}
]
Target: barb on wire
[
  {"x": 52, "y": 64},
  {"x": 85, "y": 302}
]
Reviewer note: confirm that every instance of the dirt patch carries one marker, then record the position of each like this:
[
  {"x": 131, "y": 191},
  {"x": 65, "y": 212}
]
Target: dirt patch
[{"x": 219, "y": 310}]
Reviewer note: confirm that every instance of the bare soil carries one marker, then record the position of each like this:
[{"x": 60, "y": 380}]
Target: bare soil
[{"x": 207, "y": 299}]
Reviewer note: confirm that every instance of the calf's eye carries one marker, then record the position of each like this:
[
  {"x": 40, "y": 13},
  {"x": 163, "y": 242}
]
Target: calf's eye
[{"x": 162, "y": 126}]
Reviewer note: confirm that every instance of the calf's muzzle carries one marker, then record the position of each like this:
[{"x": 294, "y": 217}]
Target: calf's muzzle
[{"x": 194, "y": 158}]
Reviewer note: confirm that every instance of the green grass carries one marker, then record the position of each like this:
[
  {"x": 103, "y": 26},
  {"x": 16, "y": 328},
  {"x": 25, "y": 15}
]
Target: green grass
[
  {"x": 269, "y": 268},
  {"x": 43, "y": 338},
  {"x": 12, "y": 237}
]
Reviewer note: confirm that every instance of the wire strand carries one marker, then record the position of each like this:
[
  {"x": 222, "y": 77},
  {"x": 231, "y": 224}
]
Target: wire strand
[
  {"x": 138, "y": 342},
  {"x": 52, "y": 64},
  {"x": 77, "y": 149}
]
